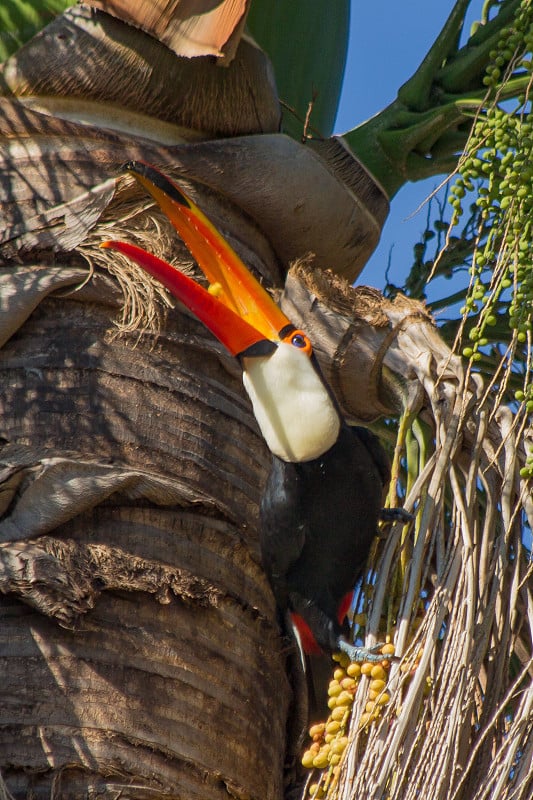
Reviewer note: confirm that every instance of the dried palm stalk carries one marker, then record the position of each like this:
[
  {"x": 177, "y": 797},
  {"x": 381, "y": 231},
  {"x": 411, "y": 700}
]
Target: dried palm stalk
[
  {"x": 453, "y": 591},
  {"x": 188, "y": 27}
]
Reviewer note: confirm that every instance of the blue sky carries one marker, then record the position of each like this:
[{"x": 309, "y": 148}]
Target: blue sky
[{"x": 388, "y": 39}]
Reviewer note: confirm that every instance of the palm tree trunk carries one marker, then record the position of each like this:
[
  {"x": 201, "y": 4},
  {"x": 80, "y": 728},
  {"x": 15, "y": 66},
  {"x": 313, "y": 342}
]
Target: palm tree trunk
[{"x": 132, "y": 477}]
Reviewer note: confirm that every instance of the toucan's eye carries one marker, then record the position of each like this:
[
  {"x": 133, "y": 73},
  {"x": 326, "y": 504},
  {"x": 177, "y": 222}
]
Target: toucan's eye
[{"x": 301, "y": 341}]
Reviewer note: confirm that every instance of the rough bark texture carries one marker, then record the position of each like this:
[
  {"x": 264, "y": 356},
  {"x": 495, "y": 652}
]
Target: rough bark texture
[{"x": 131, "y": 482}]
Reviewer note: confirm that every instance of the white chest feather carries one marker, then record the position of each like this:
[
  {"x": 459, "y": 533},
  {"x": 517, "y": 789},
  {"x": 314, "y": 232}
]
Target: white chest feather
[{"x": 291, "y": 404}]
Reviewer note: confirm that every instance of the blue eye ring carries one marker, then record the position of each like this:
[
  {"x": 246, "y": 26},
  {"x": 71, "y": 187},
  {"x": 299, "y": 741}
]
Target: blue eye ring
[{"x": 299, "y": 340}]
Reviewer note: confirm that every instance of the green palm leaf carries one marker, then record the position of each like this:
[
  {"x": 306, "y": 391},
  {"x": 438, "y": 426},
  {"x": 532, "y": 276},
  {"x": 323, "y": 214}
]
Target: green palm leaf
[{"x": 307, "y": 41}]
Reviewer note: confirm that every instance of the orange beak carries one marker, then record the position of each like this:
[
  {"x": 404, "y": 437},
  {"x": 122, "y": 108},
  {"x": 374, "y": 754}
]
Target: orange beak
[{"x": 236, "y": 309}]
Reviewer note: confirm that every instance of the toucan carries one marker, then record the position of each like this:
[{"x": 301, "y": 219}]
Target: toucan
[{"x": 323, "y": 496}]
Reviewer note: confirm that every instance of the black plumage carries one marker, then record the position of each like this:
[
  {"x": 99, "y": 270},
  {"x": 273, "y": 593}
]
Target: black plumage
[{"x": 318, "y": 520}]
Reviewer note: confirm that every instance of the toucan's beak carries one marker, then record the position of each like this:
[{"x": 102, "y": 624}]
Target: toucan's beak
[
  {"x": 293, "y": 407},
  {"x": 236, "y": 309}
]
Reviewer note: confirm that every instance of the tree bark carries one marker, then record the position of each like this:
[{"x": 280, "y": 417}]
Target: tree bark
[{"x": 132, "y": 478}]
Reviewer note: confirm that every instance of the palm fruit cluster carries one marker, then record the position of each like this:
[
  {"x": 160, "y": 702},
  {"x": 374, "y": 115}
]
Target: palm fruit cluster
[
  {"x": 330, "y": 738},
  {"x": 498, "y": 166},
  {"x": 503, "y": 147}
]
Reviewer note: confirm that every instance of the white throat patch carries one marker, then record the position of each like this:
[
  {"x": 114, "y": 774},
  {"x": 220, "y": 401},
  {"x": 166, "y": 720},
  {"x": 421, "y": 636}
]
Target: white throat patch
[{"x": 291, "y": 404}]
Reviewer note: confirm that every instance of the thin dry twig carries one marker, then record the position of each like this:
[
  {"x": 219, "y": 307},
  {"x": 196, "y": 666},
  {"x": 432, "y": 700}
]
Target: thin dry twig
[{"x": 459, "y": 726}]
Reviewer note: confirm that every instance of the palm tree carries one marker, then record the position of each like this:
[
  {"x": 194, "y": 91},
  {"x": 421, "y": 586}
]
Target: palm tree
[{"x": 143, "y": 656}]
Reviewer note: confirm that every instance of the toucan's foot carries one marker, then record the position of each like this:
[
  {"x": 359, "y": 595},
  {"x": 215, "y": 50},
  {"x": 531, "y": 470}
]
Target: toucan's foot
[
  {"x": 363, "y": 653},
  {"x": 395, "y": 515}
]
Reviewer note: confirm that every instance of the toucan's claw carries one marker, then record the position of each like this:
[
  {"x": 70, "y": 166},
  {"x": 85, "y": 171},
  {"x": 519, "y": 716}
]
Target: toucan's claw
[{"x": 361, "y": 654}]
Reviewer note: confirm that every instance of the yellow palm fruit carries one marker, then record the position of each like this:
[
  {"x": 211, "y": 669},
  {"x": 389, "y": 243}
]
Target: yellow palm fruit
[
  {"x": 321, "y": 760},
  {"x": 316, "y": 731},
  {"x": 339, "y": 745},
  {"x": 377, "y": 672},
  {"x": 307, "y": 759},
  {"x": 333, "y": 726},
  {"x": 349, "y": 684},
  {"x": 344, "y": 698},
  {"x": 344, "y": 660},
  {"x": 338, "y": 713},
  {"x": 367, "y": 717},
  {"x": 354, "y": 670}
]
